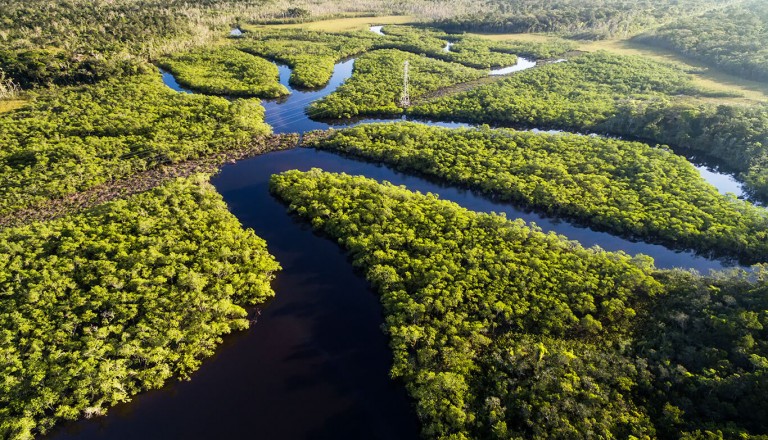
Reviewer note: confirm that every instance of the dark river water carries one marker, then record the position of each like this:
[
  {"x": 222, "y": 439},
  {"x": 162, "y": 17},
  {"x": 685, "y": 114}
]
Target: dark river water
[{"x": 315, "y": 365}]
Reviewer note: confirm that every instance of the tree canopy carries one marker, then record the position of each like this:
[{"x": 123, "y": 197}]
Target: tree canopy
[
  {"x": 98, "y": 306},
  {"x": 628, "y": 188},
  {"x": 501, "y": 331}
]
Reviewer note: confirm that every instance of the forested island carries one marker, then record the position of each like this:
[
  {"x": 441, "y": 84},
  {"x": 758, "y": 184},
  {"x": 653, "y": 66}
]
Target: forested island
[{"x": 169, "y": 172}]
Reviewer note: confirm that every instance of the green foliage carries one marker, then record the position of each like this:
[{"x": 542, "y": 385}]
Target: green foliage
[
  {"x": 45, "y": 67},
  {"x": 69, "y": 42},
  {"x": 99, "y": 306},
  {"x": 564, "y": 389},
  {"x": 377, "y": 83},
  {"x": 225, "y": 71},
  {"x": 500, "y": 331},
  {"x": 310, "y": 54},
  {"x": 73, "y": 139},
  {"x": 552, "y": 48},
  {"x": 579, "y": 93},
  {"x": 735, "y": 135},
  {"x": 626, "y": 96},
  {"x": 733, "y": 39},
  {"x": 469, "y": 51},
  {"x": 487, "y": 316},
  {"x": 707, "y": 344},
  {"x": 628, "y": 188},
  {"x": 83, "y": 26},
  {"x": 585, "y": 19}
]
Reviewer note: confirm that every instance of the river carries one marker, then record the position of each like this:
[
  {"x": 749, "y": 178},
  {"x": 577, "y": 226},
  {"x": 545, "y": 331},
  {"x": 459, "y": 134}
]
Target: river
[{"x": 315, "y": 364}]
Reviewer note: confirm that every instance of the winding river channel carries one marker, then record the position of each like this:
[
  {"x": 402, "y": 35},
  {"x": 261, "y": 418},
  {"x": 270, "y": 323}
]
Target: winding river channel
[{"x": 316, "y": 364}]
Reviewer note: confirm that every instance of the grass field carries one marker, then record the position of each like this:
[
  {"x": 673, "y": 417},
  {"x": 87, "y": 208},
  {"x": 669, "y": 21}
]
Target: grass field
[
  {"x": 704, "y": 77},
  {"x": 535, "y": 38},
  {"x": 347, "y": 24},
  {"x": 6, "y": 106}
]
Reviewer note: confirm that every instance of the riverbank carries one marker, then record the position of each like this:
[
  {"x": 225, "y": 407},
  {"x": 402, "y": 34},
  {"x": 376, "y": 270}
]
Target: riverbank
[{"x": 144, "y": 181}]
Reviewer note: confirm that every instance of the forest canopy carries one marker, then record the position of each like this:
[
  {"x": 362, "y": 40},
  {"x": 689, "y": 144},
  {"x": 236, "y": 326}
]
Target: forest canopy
[
  {"x": 456, "y": 285},
  {"x": 72, "y": 139},
  {"x": 619, "y": 95},
  {"x": 628, "y": 188},
  {"x": 733, "y": 39},
  {"x": 501, "y": 331},
  {"x": 312, "y": 54},
  {"x": 98, "y": 306},
  {"x": 225, "y": 71},
  {"x": 593, "y": 19},
  {"x": 376, "y": 84}
]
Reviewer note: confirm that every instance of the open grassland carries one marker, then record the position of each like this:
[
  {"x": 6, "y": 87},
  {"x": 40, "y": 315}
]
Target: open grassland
[{"x": 345, "y": 24}]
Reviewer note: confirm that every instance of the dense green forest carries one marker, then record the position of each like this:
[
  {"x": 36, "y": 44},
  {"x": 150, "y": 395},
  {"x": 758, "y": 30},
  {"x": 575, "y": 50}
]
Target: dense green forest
[
  {"x": 501, "y": 331},
  {"x": 628, "y": 188},
  {"x": 733, "y": 39},
  {"x": 594, "y": 19},
  {"x": 376, "y": 85},
  {"x": 618, "y": 95},
  {"x": 312, "y": 54},
  {"x": 706, "y": 344},
  {"x": 71, "y": 139},
  {"x": 466, "y": 50},
  {"x": 99, "y": 306},
  {"x": 80, "y": 41},
  {"x": 454, "y": 284},
  {"x": 225, "y": 71}
]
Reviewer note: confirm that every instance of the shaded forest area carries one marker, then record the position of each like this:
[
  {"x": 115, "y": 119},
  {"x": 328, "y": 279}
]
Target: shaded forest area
[{"x": 733, "y": 39}]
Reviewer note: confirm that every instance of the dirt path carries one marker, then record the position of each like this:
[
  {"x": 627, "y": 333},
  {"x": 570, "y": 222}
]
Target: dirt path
[
  {"x": 469, "y": 85},
  {"x": 144, "y": 181}
]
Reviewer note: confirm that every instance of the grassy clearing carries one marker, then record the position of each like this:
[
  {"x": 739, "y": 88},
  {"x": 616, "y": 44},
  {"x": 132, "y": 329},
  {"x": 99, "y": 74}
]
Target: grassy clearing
[
  {"x": 704, "y": 77},
  {"x": 535, "y": 38},
  {"x": 345, "y": 24},
  {"x": 13, "y": 104}
]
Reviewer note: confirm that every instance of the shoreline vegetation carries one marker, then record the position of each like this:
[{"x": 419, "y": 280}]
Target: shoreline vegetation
[
  {"x": 71, "y": 139},
  {"x": 624, "y": 96},
  {"x": 628, "y": 188},
  {"x": 500, "y": 331},
  {"x": 120, "y": 298},
  {"x": 225, "y": 71}
]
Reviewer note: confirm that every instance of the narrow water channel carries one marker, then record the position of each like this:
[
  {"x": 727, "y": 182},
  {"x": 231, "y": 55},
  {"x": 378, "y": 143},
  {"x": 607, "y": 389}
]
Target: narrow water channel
[{"x": 315, "y": 364}]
